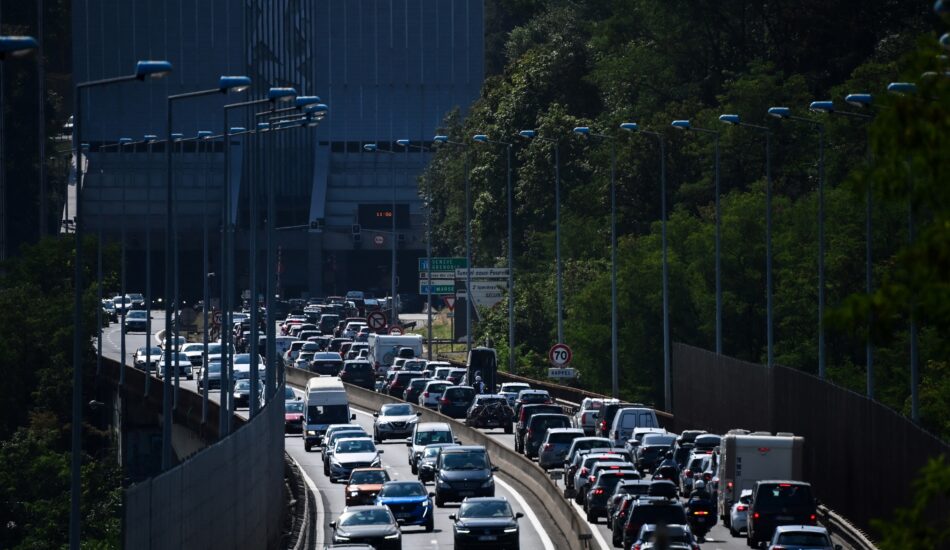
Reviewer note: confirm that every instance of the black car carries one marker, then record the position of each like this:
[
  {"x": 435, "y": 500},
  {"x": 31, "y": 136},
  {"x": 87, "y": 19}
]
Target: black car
[
  {"x": 652, "y": 450},
  {"x": 425, "y": 467},
  {"x": 374, "y": 525},
  {"x": 414, "y": 388},
  {"x": 651, "y": 510},
  {"x": 358, "y": 373},
  {"x": 537, "y": 428},
  {"x": 600, "y": 491},
  {"x": 524, "y": 415},
  {"x": 486, "y": 523},
  {"x": 606, "y": 414},
  {"x": 532, "y": 397},
  {"x": 775, "y": 503},
  {"x": 242, "y": 393},
  {"x": 490, "y": 411},
  {"x": 461, "y": 472},
  {"x": 456, "y": 400}
]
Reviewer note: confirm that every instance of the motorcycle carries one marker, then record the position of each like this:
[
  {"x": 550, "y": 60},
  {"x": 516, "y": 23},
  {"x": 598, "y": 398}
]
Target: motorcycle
[
  {"x": 666, "y": 472},
  {"x": 701, "y": 515}
]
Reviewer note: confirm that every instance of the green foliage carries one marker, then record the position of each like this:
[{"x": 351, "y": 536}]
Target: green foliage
[{"x": 920, "y": 526}]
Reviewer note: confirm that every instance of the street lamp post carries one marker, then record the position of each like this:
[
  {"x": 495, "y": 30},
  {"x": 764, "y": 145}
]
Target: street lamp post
[
  {"x": 784, "y": 113},
  {"x": 143, "y": 70},
  {"x": 532, "y": 134},
  {"x": 204, "y": 137},
  {"x": 225, "y": 84},
  {"x": 428, "y": 202},
  {"x": 733, "y": 120},
  {"x": 149, "y": 140},
  {"x": 686, "y": 125},
  {"x": 614, "y": 364},
  {"x": 828, "y": 107},
  {"x": 482, "y": 138},
  {"x": 374, "y": 148}
]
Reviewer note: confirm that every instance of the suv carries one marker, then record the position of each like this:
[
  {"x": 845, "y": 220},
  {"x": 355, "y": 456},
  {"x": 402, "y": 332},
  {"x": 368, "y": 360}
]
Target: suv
[
  {"x": 537, "y": 430},
  {"x": 532, "y": 397},
  {"x": 326, "y": 362},
  {"x": 461, "y": 472},
  {"x": 427, "y": 433},
  {"x": 586, "y": 416},
  {"x": 600, "y": 491},
  {"x": 524, "y": 416},
  {"x": 455, "y": 400},
  {"x": 555, "y": 446},
  {"x": 432, "y": 392},
  {"x": 358, "y": 373},
  {"x": 651, "y": 510},
  {"x": 397, "y": 385},
  {"x": 777, "y": 503}
]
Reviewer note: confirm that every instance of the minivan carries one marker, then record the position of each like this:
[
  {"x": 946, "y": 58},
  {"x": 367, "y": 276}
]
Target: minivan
[{"x": 629, "y": 418}]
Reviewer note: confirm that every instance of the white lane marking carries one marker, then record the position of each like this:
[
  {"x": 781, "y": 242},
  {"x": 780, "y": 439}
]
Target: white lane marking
[
  {"x": 317, "y": 498},
  {"x": 545, "y": 539},
  {"x": 593, "y": 528}
]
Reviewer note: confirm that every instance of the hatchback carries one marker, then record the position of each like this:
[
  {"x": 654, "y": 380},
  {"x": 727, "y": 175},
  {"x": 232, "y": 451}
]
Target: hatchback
[
  {"x": 555, "y": 446},
  {"x": 456, "y": 400}
]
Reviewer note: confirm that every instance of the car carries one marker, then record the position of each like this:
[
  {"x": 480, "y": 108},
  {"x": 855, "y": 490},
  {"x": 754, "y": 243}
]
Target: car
[
  {"x": 632, "y": 488},
  {"x": 600, "y": 490},
  {"x": 399, "y": 381},
  {"x": 555, "y": 445},
  {"x": 354, "y": 350},
  {"x": 586, "y": 416},
  {"x": 511, "y": 390},
  {"x": 242, "y": 367},
  {"x": 327, "y": 363},
  {"x": 409, "y": 502},
  {"x": 636, "y": 437},
  {"x": 359, "y": 373},
  {"x": 136, "y": 320},
  {"x": 150, "y": 354},
  {"x": 652, "y": 511},
  {"x": 490, "y": 411},
  {"x": 583, "y": 471},
  {"x": 427, "y": 433},
  {"x": 532, "y": 397},
  {"x": 627, "y": 419},
  {"x": 427, "y": 461},
  {"x": 456, "y": 400},
  {"x": 537, "y": 428},
  {"x": 524, "y": 415},
  {"x": 293, "y": 417},
  {"x": 678, "y": 537},
  {"x": 167, "y": 362},
  {"x": 373, "y": 525},
  {"x": 122, "y": 304},
  {"x": 802, "y": 537},
  {"x": 363, "y": 485},
  {"x": 693, "y": 465},
  {"x": 461, "y": 472},
  {"x": 739, "y": 513},
  {"x": 653, "y": 449},
  {"x": 213, "y": 374},
  {"x": 455, "y": 376},
  {"x": 779, "y": 502},
  {"x": 706, "y": 442},
  {"x": 486, "y": 523},
  {"x": 414, "y": 365},
  {"x": 605, "y": 415},
  {"x": 331, "y": 437},
  {"x": 242, "y": 394},
  {"x": 137, "y": 299},
  {"x": 442, "y": 373},
  {"x": 303, "y": 360},
  {"x": 194, "y": 351},
  {"x": 350, "y": 453},
  {"x": 414, "y": 389},
  {"x": 108, "y": 312},
  {"x": 431, "y": 394},
  {"x": 394, "y": 420}
]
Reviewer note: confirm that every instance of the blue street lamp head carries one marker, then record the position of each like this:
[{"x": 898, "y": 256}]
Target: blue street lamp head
[
  {"x": 440, "y": 139},
  {"x": 681, "y": 124},
  {"x": 630, "y": 126},
  {"x": 263, "y": 126},
  {"x": 233, "y": 83},
  {"x": 780, "y": 112},
  {"x": 732, "y": 119},
  {"x": 149, "y": 138},
  {"x": 16, "y": 45},
  {"x": 902, "y": 87},
  {"x": 480, "y": 138},
  {"x": 371, "y": 147},
  {"x": 281, "y": 94},
  {"x": 945, "y": 41},
  {"x": 84, "y": 146},
  {"x": 402, "y": 142},
  {"x": 822, "y": 107},
  {"x": 177, "y": 136},
  {"x": 304, "y": 100},
  {"x": 204, "y": 134},
  {"x": 582, "y": 130},
  {"x": 152, "y": 69},
  {"x": 125, "y": 141},
  {"x": 237, "y": 129},
  {"x": 317, "y": 110},
  {"x": 527, "y": 134},
  {"x": 859, "y": 100},
  {"x": 942, "y": 7}
]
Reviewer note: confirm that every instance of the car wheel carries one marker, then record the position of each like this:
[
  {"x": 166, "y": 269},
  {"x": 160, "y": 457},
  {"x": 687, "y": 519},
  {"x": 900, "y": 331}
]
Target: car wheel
[
  {"x": 307, "y": 447},
  {"x": 591, "y": 517},
  {"x": 430, "y": 524},
  {"x": 733, "y": 532},
  {"x": 440, "y": 502},
  {"x": 326, "y": 471},
  {"x": 509, "y": 429},
  {"x": 412, "y": 467}
]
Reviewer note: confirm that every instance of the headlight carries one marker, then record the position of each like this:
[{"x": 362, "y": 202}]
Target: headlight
[
  {"x": 341, "y": 537},
  {"x": 393, "y": 536},
  {"x": 354, "y": 493},
  {"x": 311, "y": 432},
  {"x": 511, "y": 530},
  {"x": 489, "y": 483},
  {"x": 462, "y": 530}
]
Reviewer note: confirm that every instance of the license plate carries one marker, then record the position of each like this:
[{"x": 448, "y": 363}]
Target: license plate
[
  {"x": 459, "y": 403},
  {"x": 491, "y": 423},
  {"x": 785, "y": 518},
  {"x": 466, "y": 493},
  {"x": 488, "y": 537},
  {"x": 403, "y": 516}
]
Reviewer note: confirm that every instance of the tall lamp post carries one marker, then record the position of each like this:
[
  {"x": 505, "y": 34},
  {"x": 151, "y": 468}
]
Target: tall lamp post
[
  {"x": 225, "y": 84},
  {"x": 373, "y": 148},
  {"x": 667, "y": 374},
  {"x": 149, "y": 140},
  {"x": 204, "y": 137},
  {"x": 482, "y": 138},
  {"x": 828, "y": 107},
  {"x": 614, "y": 368},
  {"x": 444, "y": 140},
  {"x": 734, "y": 120},
  {"x": 428, "y": 202},
  {"x": 143, "y": 70},
  {"x": 686, "y": 125},
  {"x": 532, "y": 134},
  {"x": 10, "y": 46},
  {"x": 784, "y": 113}
]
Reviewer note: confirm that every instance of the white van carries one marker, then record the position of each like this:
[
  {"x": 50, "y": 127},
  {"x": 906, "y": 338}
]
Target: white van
[
  {"x": 627, "y": 419},
  {"x": 383, "y": 348},
  {"x": 325, "y": 403}
]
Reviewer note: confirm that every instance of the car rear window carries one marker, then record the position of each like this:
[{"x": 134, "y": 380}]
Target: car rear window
[
  {"x": 358, "y": 368},
  {"x": 782, "y": 495},
  {"x": 562, "y": 437},
  {"x": 817, "y": 540},
  {"x": 459, "y": 393},
  {"x": 664, "y": 440},
  {"x": 651, "y": 513}
]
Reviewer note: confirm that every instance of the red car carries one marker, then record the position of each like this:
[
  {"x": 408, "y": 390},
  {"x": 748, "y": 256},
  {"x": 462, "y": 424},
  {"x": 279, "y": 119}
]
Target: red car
[
  {"x": 363, "y": 485},
  {"x": 293, "y": 417}
]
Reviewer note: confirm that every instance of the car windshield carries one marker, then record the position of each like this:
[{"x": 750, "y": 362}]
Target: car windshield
[
  {"x": 818, "y": 540},
  {"x": 136, "y": 315},
  {"x": 490, "y": 400},
  {"x": 431, "y": 452},
  {"x": 437, "y": 388},
  {"x": 294, "y": 407},
  {"x": 373, "y": 516},
  {"x": 659, "y": 514},
  {"x": 673, "y": 535},
  {"x": 465, "y": 460},
  {"x": 214, "y": 348},
  {"x": 242, "y": 385},
  {"x": 214, "y": 367},
  {"x": 485, "y": 509},
  {"x": 369, "y": 477},
  {"x": 354, "y": 446},
  {"x": 459, "y": 393},
  {"x": 561, "y": 437},
  {"x": 534, "y": 397},
  {"x": 155, "y": 351},
  {"x": 427, "y": 437},
  {"x": 403, "y": 489},
  {"x": 659, "y": 440},
  {"x": 395, "y": 410},
  {"x": 328, "y": 414}
]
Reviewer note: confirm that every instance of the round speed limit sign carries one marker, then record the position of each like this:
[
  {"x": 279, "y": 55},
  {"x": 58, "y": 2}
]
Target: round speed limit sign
[{"x": 560, "y": 355}]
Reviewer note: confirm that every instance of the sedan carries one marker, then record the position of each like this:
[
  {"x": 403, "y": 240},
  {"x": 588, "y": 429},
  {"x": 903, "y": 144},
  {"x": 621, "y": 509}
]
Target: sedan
[
  {"x": 427, "y": 461},
  {"x": 373, "y": 525},
  {"x": 136, "y": 321},
  {"x": 486, "y": 523},
  {"x": 364, "y": 485},
  {"x": 350, "y": 453},
  {"x": 144, "y": 354},
  {"x": 214, "y": 377},
  {"x": 394, "y": 420},
  {"x": 242, "y": 394},
  {"x": 409, "y": 502}
]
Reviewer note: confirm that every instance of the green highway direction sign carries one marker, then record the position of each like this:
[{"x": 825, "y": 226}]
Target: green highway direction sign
[
  {"x": 442, "y": 264},
  {"x": 438, "y": 289}
]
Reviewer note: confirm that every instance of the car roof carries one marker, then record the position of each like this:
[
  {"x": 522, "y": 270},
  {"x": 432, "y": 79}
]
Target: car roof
[
  {"x": 565, "y": 430},
  {"x": 485, "y": 499},
  {"x": 432, "y": 426},
  {"x": 461, "y": 448},
  {"x": 801, "y": 529}
]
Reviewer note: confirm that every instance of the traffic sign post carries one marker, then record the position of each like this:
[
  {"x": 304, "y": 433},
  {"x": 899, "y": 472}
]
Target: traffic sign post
[
  {"x": 562, "y": 373},
  {"x": 560, "y": 355},
  {"x": 442, "y": 264},
  {"x": 395, "y": 330},
  {"x": 376, "y": 320},
  {"x": 449, "y": 302},
  {"x": 218, "y": 316}
]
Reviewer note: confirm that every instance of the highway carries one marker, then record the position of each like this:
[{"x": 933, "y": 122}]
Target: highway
[{"x": 330, "y": 494}]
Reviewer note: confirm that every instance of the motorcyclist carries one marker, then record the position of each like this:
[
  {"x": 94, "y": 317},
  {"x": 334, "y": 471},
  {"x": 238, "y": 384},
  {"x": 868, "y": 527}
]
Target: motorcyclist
[
  {"x": 699, "y": 500},
  {"x": 667, "y": 461},
  {"x": 700, "y": 492}
]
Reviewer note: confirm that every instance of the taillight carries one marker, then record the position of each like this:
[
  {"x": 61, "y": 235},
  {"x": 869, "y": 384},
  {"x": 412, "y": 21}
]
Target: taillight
[
  {"x": 700, "y": 513},
  {"x": 584, "y": 472},
  {"x": 591, "y": 479},
  {"x": 444, "y": 401},
  {"x": 729, "y": 485},
  {"x": 812, "y": 518},
  {"x": 547, "y": 446},
  {"x": 598, "y": 491},
  {"x": 636, "y": 546},
  {"x": 529, "y": 432},
  {"x": 707, "y": 477},
  {"x": 755, "y": 515},
  {"x": 603, "y": 425},
  {"x": 687, "y": 473},
  {"x": 425, "y": 394},
  {"x": 741, "y": 508}
]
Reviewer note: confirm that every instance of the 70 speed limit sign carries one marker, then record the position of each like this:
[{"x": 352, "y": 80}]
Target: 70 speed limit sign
[{"x": 560, "y": 355}]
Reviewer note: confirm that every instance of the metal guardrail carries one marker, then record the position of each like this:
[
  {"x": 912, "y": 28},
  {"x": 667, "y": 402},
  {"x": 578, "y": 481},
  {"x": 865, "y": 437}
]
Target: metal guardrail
[{"x": 844, "y": 530}]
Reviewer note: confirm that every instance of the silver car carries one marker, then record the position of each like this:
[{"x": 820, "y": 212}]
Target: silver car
[
  {"x": 554, "y": 448},
  {"x": 432, "y": 392},
  {"x": 739, "y": 514},
  {"x": 802, "y": 537}
]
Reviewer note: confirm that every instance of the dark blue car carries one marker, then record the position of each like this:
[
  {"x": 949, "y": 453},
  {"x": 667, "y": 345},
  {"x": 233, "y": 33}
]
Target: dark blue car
[{"x": 409, "y": 503}]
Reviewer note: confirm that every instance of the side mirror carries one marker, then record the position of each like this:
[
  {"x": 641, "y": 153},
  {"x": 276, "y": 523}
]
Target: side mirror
[
  {"x": 375, "y": 415},
  {"x": 333, "y": 525},
  {"x": 431, "y": 495},
  {"x": 353, "y": 416},
  {"x": 408, "y": 442},
  {"x": 453, "y": 517},
  {"x": 380, "y": 451},
  {"x": 458, "y": 441},
  {"x": 519, "y": 515},
  {"x": 494, "y": 468},
  {"x": 418, "y": 414}
]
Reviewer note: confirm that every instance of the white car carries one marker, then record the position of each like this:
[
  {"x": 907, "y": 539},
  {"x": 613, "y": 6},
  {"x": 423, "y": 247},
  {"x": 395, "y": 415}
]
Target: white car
[
  {"x": 167, "y": 363},
  {"x": 586, "y": 416},
  {"x": 511, "y": 389},
  {"x": 739, "y": 514},
  {"x": 194, "y": 351},
  {"x": 801, "y": 537},
  {"x": 432, "y": 392},
  {"x": 142, "y": 354}
]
